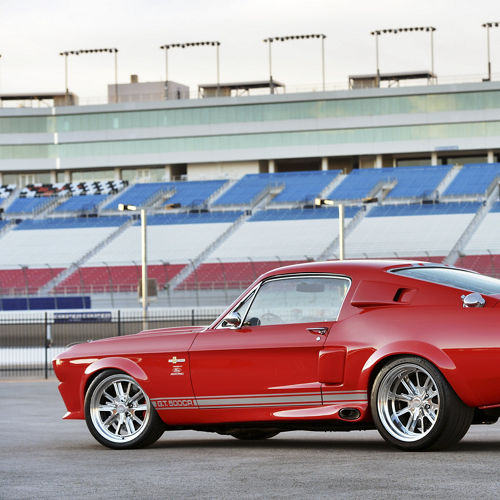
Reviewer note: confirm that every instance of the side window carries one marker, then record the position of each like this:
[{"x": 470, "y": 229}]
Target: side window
[
  {"x": 297, "y": 300},
  {"x": 241, "y": 309}
]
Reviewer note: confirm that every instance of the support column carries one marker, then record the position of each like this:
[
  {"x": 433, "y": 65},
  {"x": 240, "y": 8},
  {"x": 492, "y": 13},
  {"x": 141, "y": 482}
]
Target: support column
[
  {"x": 434, "y": 158},
  {"x": 168, "y": 173},
  {"x": 491, "y": 156},
  {"x": 271, "y": 166},
  {"x": 117, "y": 172},
  {"x": 324, "y": 163},
  {"x": 378, "y": 161}
]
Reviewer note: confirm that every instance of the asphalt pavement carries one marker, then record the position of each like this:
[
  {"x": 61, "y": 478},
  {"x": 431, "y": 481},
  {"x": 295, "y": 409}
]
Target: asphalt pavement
[{"x": 42, "y": 456}]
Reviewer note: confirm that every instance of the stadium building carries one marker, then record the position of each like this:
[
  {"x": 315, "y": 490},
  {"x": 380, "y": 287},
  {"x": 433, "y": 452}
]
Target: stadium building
[{"x": 229, "y": 183}]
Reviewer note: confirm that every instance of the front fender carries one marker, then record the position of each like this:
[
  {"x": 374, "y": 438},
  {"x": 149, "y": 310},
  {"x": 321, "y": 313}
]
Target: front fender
[
  {"x": 124, "y": 364},
  {"x": 116, "y": 363}
]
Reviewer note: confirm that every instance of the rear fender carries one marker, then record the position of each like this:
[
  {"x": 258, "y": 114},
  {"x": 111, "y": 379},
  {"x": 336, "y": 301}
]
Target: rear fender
[{"x": 415, "y": 348}]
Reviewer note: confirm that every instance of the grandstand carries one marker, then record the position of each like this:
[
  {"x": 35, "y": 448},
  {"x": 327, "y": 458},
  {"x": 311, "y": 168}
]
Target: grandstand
[
  {"x": 228, "y": 185},
  {"x": 246, "y": 228},
  {"x": 410, "y": 230}
]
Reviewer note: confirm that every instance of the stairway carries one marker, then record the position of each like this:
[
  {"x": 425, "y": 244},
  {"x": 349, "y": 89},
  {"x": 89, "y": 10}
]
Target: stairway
[
  {"x": 193, "y": 264},
  {"x": 48, "y": 287},
  {"x": 329, "y": 251},
  {"x": 461, "y": 243}
]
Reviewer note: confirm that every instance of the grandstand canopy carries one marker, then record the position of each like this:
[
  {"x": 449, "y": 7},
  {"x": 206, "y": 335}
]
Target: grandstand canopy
[
  {"x": 225, "y": 89},
  {"x": 58, "y": 98},
  {"x": 370, "y": 80}
]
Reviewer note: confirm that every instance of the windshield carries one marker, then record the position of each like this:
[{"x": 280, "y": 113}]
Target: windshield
[{"x": 456, "y": 278}]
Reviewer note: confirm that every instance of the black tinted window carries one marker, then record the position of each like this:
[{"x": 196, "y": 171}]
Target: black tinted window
[{"x": 456, "y": 278}]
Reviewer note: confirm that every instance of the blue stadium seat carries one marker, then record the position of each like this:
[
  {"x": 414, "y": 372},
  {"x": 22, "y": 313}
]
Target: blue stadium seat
[
  {"x": 411, "y": 182},
  {"x": 138, "y": 194},
  {"x": 193, "y": 193},
  {"x": 425, "y": 209},
  {"x": 360, "y": 182},
  {"x": 302, "y": 186},
  {"x": 301, "y": 214},
  {"x": 245, "y": 191},
  {"x": 473, "y": 179},
  {"x": 73, "y": 222},
  {"x": 86, "y": 203},
  {"x": 418, "y": 182},
  {"x": 298, "y": 187},
  {"x": 27, "y": 205},
  {"x": 192, "y": 218},
  {"x": 186, "y": 193}
]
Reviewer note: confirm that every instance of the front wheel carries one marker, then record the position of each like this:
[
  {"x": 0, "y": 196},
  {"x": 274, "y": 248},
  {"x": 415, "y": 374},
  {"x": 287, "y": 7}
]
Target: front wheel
[
  {"x": 119, "y": 413},
  {"x": 414, "y": 408}
]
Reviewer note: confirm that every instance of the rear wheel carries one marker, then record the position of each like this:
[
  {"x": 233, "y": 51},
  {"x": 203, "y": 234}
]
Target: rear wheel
[
  {"x": 414, "y": 408},
  {"x": 119, "y": 413}
]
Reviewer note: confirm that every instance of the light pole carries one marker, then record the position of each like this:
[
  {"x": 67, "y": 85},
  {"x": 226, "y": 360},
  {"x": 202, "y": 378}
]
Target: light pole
[
  {"x": 322, "y": 201},
  {"x": 66, "y": 53},
  {"x": 488, "y": 26},
  {"x": 122, "y": 207},
  {"x": 395, "y": 31},
  {"x": 169, "y": 46},
  {"x": 270, "y": 40},
  {"x": 89, "y": 51}
]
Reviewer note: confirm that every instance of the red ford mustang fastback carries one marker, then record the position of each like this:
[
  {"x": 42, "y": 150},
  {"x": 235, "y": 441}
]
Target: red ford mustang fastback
[{"x": 409, "y": 348}]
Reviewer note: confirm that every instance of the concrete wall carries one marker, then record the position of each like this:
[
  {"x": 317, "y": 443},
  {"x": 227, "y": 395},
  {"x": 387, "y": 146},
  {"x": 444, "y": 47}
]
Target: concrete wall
[{"x": 226, "y": 170}]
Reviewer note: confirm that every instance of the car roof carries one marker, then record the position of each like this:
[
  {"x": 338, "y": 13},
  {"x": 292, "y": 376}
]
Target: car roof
[
  {"x": 357, "y": 269},
  {"x": 349, "y": 267}
]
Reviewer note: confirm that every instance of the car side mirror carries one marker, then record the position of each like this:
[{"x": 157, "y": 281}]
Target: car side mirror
[
  {"x": 473, "y": 299},
  {"x": 232, "y": 320}
]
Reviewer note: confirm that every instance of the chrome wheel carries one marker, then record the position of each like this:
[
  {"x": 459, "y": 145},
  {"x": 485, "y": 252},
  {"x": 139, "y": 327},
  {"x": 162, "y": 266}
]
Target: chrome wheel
[
  {"x": 119, "y": 409},
  {"x": 408, "y": 402}
]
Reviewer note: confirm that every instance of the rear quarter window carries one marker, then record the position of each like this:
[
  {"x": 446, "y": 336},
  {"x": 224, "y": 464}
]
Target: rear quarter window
[{"x": 456, "y": 278}]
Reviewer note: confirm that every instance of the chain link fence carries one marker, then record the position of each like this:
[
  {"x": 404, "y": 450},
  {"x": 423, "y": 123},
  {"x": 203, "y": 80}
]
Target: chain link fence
[{"x": 30, "y": 341}]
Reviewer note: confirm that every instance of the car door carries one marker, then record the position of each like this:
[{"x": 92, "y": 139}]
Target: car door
[{"x": 271, "y": 359}]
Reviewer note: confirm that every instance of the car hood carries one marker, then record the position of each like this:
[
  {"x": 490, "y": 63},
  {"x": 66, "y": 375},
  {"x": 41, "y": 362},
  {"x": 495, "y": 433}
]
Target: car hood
[
  {"x": 160, "y": 339},
  {"x": 175, "y": 330}
]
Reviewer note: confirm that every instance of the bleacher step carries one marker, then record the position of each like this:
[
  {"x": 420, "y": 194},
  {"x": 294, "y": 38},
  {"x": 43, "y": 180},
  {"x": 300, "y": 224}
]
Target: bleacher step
[
  {"x": 193, "y": 264},
  {"x": 48, "y": 287},
  {"x": 8, "y": 202},
  {"x": 469, "y": 231},
  {"x": 328, "y": 252},
  {"x": 332, "y": 185},
  {"x": 221, "y": 191},
  {"x": 448, "y": 179}
]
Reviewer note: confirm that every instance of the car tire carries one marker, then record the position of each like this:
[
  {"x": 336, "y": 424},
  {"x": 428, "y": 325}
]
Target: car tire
[
  {"x": 253, "y": 434},
  {"x": 414, "y": 407},
  {"x": 118, "y": 412}
]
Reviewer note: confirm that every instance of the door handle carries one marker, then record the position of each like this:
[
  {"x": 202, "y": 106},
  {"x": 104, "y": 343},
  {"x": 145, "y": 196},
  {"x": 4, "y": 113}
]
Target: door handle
[{"x": 320, "y": 330}]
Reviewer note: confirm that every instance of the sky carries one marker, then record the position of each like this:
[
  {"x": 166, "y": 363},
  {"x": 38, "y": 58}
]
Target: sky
[{"x": 34, "y": 32}]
